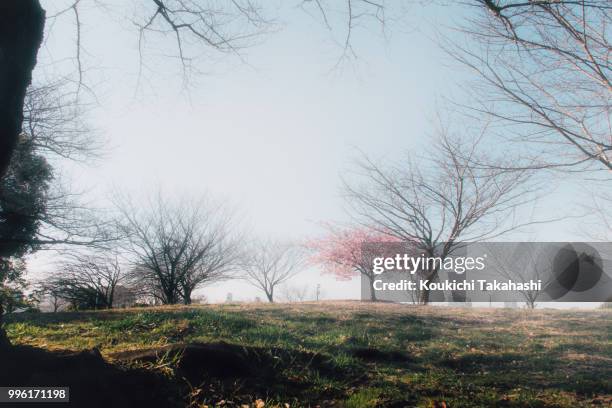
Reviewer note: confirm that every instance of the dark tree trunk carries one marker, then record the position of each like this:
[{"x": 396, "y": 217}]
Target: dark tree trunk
[
  {"x": 186, "y": 292},
  {"x": 4, "y": 341},
  {"x": 270, "y": 297},
  {"x": 170, "y": 296},
  {"x": 111, "y": 298},
  {"x": 424, "y": 297},
  {"x": 21, "y": 32}
]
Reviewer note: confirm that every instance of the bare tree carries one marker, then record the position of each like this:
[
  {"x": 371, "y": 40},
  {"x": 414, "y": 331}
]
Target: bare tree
[
  {"x": 46, "y": 292},
  {"x": 545, "y": 76},
  {"x": 125, "y": 296},
  {"x": 268, "y": 264},
  {"x": 438, "y": 205},
  {"x": 528, "y": 261},
  {"x": 177, "y": 247},
  {"x": 218, "y": 258},
  {"x": 86, "y": 280},
  {"x": 145, "y": 285},
  {"x": 297, "y": 293},
  {"x": 56, "y": 301}
]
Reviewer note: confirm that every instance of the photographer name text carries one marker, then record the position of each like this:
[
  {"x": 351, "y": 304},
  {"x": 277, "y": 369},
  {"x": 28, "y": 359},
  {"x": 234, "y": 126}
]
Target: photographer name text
[{"x": 454, "y": 285}]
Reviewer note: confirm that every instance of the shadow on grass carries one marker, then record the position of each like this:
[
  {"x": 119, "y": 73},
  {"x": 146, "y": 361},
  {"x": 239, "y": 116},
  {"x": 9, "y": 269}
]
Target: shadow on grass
[
  {"x": 224, "y": 369},
  {"x": 548, "y": 369},
  {"x": 198, "y": 374},
  {"x": 376, "y": 355},
  {"x": 93, "y": 382}
]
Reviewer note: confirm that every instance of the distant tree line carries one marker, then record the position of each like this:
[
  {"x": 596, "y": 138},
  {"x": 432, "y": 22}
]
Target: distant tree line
[{"x": 163, "y": 252}]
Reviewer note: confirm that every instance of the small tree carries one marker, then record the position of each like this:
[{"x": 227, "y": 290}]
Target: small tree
[
  {"x": 177, "y": 246},
  {"x": 46, "y": 290},
  {"x": 88, "y": 281},
  {"x": 268, "y": 264},
  {"x": 346, "y": 253},
  {"x": 295, "y": 293},
  {"x": 527, "y": 262}
]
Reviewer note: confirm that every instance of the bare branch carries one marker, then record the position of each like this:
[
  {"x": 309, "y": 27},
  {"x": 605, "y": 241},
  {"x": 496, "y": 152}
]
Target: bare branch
[
  {"x": 546, "y": 74},
  {"x": 437, "y": 211}
]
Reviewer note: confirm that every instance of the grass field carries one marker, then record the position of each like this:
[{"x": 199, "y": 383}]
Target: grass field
[{"x": 348, "y": 354}]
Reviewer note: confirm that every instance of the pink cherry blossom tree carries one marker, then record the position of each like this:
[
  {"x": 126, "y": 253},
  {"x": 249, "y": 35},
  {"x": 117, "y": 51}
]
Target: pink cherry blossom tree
[{"x": 349, "y": 252}]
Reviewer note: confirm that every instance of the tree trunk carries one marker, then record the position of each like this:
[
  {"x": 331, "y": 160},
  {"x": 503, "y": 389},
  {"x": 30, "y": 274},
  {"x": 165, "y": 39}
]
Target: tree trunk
[
  {"x": 170, "y": 297},
  {"x": 187, "y": 296},
  {"x": 21, "y": 32},
  {"x": 424, "y": 297},
  {"x": 424, "y": 294},
  {"x": 372, "y": 291},
  {"x": 270, "y": 296},
  {"x": 4, "y": 341},
  {"x": 111, "y": 298}
]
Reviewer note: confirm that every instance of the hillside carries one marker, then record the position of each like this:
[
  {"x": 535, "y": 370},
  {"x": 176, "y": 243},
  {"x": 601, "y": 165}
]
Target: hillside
[{"x": 343, "y": 353}]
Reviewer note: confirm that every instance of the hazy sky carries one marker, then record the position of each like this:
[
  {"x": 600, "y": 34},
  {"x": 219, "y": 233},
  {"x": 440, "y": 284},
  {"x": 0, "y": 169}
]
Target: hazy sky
[{"x": 272, "y": 135}]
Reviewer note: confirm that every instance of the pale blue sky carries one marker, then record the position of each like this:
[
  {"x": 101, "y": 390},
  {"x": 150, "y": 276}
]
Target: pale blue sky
[{"x": 272, "y": 136}]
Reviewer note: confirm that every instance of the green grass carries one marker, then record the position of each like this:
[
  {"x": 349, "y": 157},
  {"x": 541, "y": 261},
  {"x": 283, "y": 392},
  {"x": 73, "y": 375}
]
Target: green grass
[{"x": 355, "y": 354}]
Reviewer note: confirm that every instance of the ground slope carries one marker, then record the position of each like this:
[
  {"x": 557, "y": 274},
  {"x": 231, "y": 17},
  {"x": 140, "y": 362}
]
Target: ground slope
[{"x": 341, "y": 353}]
